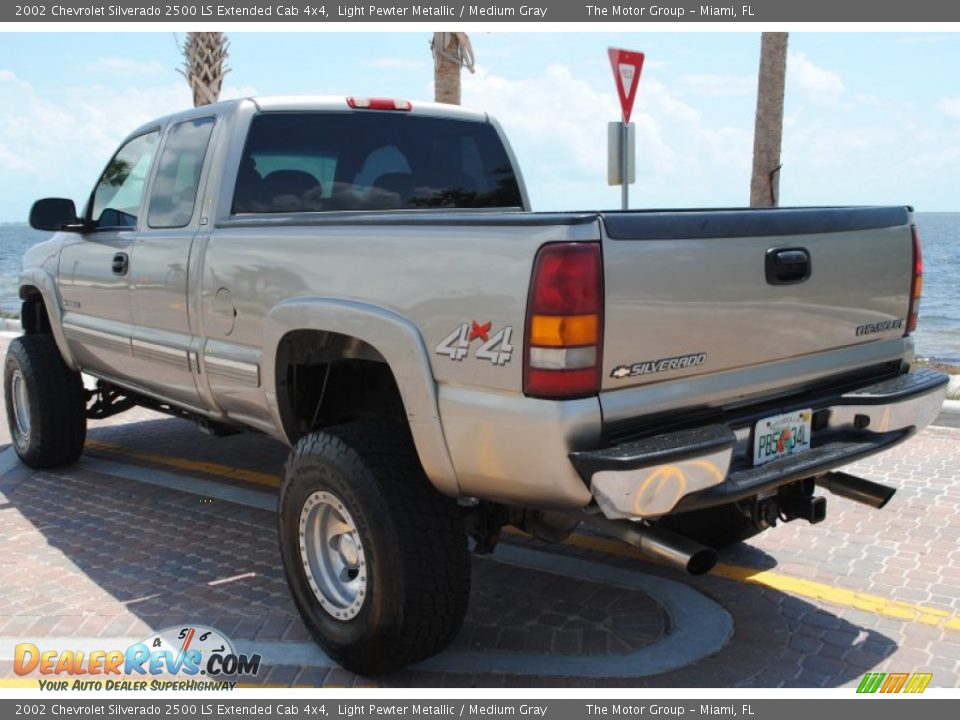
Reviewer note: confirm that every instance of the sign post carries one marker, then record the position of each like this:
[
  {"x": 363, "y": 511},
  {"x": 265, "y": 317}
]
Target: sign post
[
  {"x": 625, "y": 165},
  {"x": 626, "y": 65}
]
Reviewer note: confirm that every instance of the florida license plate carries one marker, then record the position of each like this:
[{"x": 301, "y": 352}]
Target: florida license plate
[{"x": 781, "y": 435}]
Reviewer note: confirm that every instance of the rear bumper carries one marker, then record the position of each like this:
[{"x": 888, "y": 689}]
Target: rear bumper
[{"x": 711, "y": 465}]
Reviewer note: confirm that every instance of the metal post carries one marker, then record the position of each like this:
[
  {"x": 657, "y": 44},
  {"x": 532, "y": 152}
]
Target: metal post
[{"x": 624, "y": 163}]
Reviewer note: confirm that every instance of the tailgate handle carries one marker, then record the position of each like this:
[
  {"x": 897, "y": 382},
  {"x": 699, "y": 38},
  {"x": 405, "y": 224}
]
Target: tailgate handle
[{"x": 788, "y": 266}]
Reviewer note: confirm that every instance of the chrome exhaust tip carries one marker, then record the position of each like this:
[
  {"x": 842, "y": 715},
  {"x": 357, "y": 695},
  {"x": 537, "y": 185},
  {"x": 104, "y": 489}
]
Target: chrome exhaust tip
[
  {"x": 857, "y": 489},
  {"x": 675, "y": 550},
  {"x": 664, "y": 546}
]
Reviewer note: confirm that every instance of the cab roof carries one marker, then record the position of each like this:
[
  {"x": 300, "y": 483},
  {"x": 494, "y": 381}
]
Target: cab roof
[{"x": 294, "y": 103}]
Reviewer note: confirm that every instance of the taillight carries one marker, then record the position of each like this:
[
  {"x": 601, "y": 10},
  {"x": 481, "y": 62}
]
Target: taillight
[
  {"x": 379, "y": 104},
  {"x": 916, "y": 288},
  {"x": 562, "y": 352}
]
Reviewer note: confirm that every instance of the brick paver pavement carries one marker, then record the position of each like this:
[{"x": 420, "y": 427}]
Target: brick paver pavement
[{"x": 91, "y": 555}]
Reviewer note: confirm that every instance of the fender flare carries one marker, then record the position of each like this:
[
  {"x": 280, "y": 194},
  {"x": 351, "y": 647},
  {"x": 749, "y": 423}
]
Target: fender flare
[
  {"x": 401, "y": 345},
  {"x": 46, "y": 284}
]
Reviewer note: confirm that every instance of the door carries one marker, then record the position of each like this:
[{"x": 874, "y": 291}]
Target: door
[
  {"x": 94, "y": 269},
  {"x": 164, "y": 348}
]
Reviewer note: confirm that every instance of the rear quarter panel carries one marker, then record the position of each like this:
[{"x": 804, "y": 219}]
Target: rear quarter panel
[{"x": 438, "y": 276}]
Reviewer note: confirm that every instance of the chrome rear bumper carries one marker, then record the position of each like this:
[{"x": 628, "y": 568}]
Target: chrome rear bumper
[{"x": 706, "y": 466}]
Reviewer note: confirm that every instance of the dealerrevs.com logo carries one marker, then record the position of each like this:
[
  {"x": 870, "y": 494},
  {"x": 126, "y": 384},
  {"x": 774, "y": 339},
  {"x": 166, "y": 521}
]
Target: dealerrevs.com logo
[{"x": 179, "y": 658}]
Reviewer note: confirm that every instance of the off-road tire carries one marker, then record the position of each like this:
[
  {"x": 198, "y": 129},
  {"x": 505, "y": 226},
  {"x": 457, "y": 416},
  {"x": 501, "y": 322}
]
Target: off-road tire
[
  {"x": 716, "y": 527},
  {"x": 414, "y": 540},
  {"x": 56, "y": 400}
]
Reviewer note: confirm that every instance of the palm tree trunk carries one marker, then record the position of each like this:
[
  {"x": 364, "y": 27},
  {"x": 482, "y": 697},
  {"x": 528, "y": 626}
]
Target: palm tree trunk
[
  {"x": 768, "y": 128},
  {"x": 204, "y": 65},
  {"x": 451, "y": 51},
  {"x": 446, "y": 74}
]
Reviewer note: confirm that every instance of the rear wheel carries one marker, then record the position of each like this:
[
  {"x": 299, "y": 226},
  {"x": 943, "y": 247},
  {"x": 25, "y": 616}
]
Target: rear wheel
[
  {"x": 45, "y": 403},
  {"x": 375, "y": 557}
]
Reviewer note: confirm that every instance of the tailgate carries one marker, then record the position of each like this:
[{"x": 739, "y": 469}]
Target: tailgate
[{"x": 695, "y": 292}]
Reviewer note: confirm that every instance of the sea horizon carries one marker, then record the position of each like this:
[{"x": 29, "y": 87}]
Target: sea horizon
[
  {"x": 24, "y": 223},
  {"x": 937, "y": 337}
]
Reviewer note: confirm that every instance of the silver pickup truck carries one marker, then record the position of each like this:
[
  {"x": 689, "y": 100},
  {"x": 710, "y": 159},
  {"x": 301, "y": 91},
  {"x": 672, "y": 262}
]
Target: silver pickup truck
[{"x": 363, "y": 280}]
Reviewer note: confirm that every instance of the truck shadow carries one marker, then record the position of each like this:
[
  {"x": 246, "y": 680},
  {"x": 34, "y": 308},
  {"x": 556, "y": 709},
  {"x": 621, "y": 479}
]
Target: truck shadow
[{"x": 124, "y": 559}]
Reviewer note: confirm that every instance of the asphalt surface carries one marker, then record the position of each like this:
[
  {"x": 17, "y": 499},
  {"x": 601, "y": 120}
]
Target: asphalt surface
[{"x": 160, "y": 526}]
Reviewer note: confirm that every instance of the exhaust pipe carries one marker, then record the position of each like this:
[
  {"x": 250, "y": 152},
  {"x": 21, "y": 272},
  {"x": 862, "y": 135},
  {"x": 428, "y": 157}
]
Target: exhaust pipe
[
  {"x": 857, "y": 489},
  {"x": 658, "y": 544}
]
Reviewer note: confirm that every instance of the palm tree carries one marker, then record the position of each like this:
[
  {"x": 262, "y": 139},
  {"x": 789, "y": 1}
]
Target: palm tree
[
  {"x": 204, "y": 65},
  {"x": 451, "y": 51},
  {"x": 768, "y": 128}
]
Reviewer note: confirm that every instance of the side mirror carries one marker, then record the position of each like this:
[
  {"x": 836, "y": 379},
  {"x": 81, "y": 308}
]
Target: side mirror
[{"x": 54, "y": 214}]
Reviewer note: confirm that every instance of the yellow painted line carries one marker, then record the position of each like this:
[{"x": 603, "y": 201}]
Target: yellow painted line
[
  {"x": 841, "y": 596},
  {"x": 750, "y": 576},
  {"x": 233, "y": 473},
  {"x": 797, "y": 586}
]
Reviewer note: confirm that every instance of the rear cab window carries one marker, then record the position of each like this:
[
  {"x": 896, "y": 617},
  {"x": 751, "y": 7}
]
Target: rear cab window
[
  {"x": 326, "y": 161},
  {"x": 174, "y": 192}
]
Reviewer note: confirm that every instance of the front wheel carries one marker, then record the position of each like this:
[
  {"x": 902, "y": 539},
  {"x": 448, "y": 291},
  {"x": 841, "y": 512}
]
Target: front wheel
[
  {"x": 375, "y": 557},
  {"x": 45, "y": 403}
]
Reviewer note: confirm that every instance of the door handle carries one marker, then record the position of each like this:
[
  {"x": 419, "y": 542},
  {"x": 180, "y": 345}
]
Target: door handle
[
  {"x": 121, "y": 263},
  {"x": 788, "y": 266}
]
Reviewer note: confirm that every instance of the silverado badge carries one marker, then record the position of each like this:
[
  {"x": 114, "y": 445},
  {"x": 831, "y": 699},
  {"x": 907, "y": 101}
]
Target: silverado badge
[{"x": 647, "y": 367}]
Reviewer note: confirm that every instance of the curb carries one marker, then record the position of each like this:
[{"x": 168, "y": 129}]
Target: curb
[
  {"x": 953, "y": 389},
  {"x": 950, "y": 407}
]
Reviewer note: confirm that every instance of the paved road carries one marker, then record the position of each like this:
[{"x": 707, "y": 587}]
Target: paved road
[{"x": 160, "y": 525}]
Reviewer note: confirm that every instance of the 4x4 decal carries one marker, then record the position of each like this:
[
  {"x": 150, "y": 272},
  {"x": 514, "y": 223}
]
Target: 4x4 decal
[{"x": 495, "y": 348}]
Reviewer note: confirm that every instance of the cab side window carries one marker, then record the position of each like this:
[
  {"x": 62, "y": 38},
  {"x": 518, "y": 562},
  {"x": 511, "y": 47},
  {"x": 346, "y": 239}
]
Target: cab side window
[
  {"x": 116, "y": 199},
  {"x": 174, "y": 192}
]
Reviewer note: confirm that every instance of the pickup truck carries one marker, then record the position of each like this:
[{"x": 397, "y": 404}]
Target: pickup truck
[{"x": 363, "y": 280}]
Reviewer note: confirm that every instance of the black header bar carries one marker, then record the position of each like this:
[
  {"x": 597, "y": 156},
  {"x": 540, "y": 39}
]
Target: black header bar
[{"x": 312, "y": 14}]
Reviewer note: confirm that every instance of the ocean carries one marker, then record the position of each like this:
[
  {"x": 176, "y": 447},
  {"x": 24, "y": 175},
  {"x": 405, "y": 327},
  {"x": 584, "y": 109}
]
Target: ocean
[
  {"x": 938, "y": 332},
  {"x": 937, "y": 336}
]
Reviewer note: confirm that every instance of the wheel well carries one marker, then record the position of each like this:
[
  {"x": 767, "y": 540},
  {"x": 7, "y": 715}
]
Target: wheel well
[
  {"x": 325, "y": 378},
  {"x": 33, "y": 312}
]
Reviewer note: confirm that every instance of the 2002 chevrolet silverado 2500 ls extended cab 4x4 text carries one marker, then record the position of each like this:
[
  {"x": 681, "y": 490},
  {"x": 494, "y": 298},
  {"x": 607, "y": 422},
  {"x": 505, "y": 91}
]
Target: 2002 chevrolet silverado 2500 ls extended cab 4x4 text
[{"x": 364, "y": 281}]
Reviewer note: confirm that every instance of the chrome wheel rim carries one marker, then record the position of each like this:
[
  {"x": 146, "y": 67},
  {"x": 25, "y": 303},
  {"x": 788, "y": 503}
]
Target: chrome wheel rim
[
  {"x": 21, "y": 403},
  {"x": 333, "y": 556}
]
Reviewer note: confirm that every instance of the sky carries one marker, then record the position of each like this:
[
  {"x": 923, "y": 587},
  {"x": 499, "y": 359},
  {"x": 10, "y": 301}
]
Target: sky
[{"x": 870, "y": 118}]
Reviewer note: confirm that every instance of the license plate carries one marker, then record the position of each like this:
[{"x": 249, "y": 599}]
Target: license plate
[{"x": 781, "y": 435}]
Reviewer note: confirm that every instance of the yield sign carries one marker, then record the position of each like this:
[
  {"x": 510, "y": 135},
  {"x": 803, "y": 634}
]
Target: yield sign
[{"x": 627, "y": 65}]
